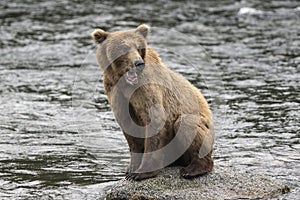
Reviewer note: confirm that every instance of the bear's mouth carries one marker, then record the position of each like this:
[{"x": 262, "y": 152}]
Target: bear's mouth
[{"x": 132, "y": 77}]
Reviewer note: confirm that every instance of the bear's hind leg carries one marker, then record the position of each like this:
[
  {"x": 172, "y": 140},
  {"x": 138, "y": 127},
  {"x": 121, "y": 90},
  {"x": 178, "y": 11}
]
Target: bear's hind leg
[{"x": 197, "y": 159}]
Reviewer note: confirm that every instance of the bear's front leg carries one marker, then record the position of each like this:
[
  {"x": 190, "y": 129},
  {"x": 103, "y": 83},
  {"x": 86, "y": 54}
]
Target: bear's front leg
[
  {"x": 136, "y": 146},
  {"x": 135, "y": 161},
  {"x": 153, "y": 158}
]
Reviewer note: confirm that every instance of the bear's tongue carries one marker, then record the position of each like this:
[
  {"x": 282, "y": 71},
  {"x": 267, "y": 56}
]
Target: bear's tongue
[{"x": 131, "y": 77}]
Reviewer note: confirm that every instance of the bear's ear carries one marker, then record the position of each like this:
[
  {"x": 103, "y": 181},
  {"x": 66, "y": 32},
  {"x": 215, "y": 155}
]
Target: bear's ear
[
  {"x": 99, "y": 35},
  {"x": 143, "y": 30}
]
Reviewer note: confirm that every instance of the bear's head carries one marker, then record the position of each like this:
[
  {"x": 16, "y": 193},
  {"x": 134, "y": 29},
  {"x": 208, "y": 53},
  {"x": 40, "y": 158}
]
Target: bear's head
[{"x": 122, "y": 53}]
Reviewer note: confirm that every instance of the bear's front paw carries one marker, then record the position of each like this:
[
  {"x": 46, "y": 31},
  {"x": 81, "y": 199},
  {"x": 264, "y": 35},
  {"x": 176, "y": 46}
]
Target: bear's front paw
[
  {"x": 140, "y": 176},
  {"x": 130, "y": 169}
]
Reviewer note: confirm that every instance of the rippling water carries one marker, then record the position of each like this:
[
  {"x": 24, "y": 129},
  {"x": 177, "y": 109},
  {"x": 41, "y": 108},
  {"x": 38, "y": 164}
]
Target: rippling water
[{"x": 58, "y": 137}]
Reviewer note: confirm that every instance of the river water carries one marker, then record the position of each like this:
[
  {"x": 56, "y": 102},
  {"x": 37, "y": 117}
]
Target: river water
[{"x": 58, "y": 136}]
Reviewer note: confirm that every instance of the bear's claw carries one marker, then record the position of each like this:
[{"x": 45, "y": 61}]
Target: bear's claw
[
  {"x": 140, "y": 176},
  {"x": 133, "y": 176},
  {"x": 185, "y": 174}
]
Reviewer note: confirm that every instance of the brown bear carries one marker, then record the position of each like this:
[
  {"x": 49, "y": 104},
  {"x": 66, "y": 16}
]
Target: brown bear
[{"x": 165, "y": 119}]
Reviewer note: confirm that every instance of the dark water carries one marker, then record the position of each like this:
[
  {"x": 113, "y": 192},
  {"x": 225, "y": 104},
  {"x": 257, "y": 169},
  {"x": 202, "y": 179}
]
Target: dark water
[{"x": 58, "y": 137}]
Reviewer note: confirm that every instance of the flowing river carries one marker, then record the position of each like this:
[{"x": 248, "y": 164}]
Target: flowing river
[{"x": 58, "y": 136}]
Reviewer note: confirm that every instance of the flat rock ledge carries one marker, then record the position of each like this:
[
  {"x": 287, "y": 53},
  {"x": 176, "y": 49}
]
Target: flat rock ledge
[{"x": 222, "y": 183}]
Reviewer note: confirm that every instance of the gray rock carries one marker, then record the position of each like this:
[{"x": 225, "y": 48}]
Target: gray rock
[{"x": 222, "y": 183}]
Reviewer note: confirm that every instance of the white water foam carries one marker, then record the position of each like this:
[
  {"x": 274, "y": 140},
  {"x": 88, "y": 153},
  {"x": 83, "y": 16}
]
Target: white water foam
[{"x": 249, "y": 11}]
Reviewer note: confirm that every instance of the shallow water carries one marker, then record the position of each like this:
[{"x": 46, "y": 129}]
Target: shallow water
[{"x": 58, "y": 137}]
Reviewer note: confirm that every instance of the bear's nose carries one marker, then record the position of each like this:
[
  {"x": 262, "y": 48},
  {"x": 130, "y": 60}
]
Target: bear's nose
[{"x": 140, "y": 65}]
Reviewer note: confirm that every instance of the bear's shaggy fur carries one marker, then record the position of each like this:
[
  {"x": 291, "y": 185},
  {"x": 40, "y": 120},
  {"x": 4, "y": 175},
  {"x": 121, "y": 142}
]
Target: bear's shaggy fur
[{"x": 165, "y": 119}]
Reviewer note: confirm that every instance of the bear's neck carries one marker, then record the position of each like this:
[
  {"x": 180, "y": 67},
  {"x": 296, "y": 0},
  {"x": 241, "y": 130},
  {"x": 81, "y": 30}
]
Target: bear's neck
[{"x": 109, "y": 79}]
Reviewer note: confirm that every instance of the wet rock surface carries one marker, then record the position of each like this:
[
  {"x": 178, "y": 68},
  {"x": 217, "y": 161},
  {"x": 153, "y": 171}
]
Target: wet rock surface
[{"x": 222, "y": 183}]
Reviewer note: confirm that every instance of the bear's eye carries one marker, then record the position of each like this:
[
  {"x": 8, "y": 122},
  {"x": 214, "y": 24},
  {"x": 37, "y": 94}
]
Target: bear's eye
[{"x": 142, "y": 51}]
